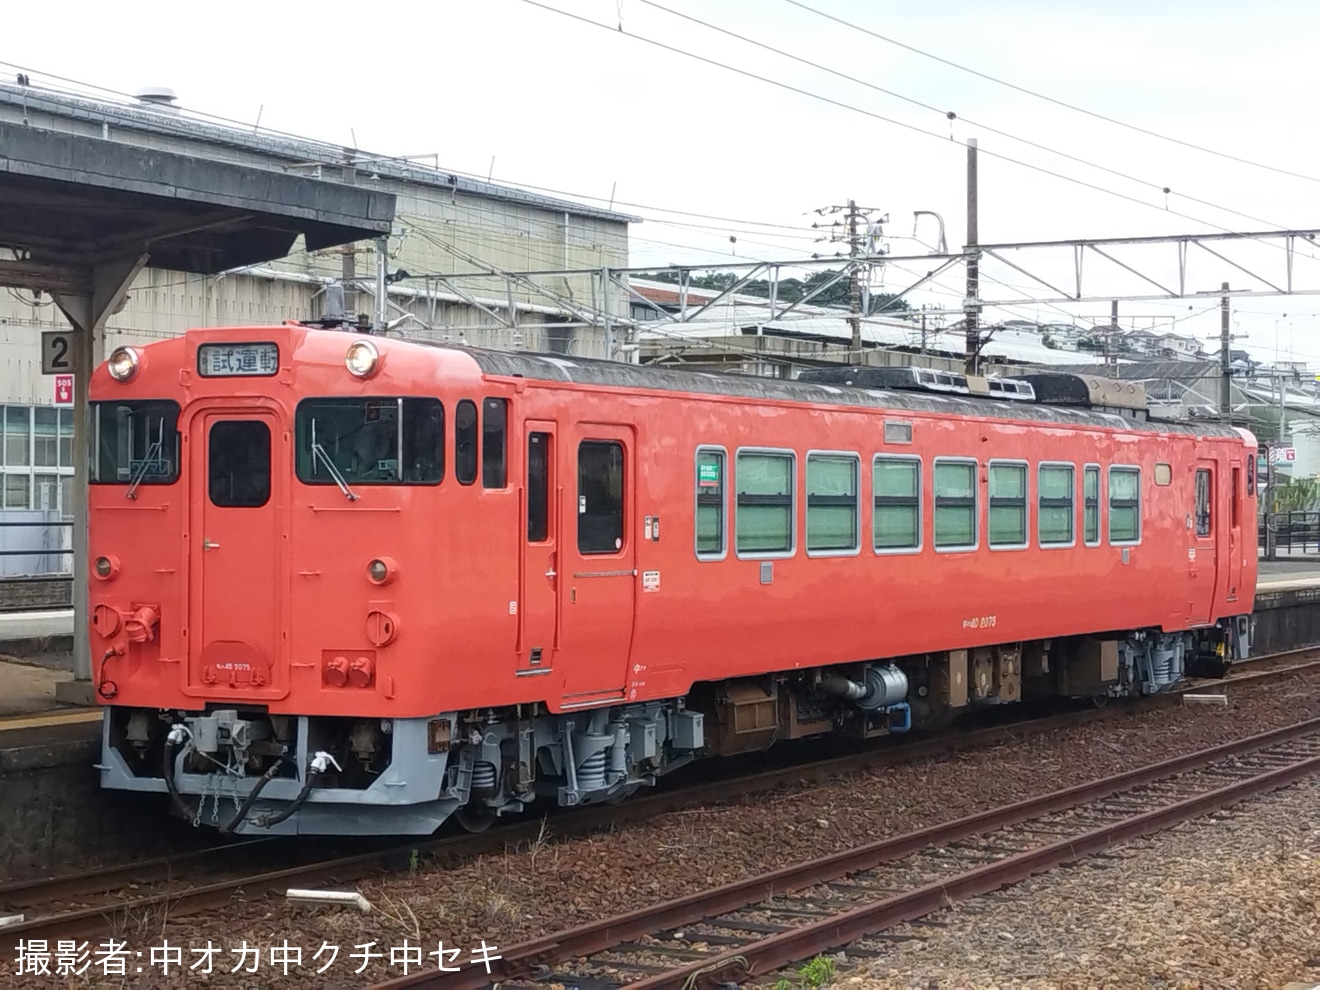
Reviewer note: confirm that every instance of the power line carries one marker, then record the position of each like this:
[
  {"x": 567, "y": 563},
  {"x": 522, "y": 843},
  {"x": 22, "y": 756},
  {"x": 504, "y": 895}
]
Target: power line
[
  {"x": 950, "y": 115},
  {"x": 1050, "y": 99},
  {"x": 877, "y": 116}
]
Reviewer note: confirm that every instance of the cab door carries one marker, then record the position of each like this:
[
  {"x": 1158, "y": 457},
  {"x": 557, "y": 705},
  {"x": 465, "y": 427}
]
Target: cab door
[
  {"x": 539, "y": 578},
  {"x": 598, "y": 574},
  {"x": 1237, "y": 499},
  {"x": 236, "y": 644},
  {"x": 1203, "y": 548}
]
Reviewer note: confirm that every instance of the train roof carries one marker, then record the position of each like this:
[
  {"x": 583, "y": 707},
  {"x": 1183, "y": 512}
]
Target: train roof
[{"x": 1045, "y": 399}]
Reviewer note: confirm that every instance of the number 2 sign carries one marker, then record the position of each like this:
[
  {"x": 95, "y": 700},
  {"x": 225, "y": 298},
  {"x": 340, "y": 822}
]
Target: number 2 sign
[{"x": 57, "y": 352}]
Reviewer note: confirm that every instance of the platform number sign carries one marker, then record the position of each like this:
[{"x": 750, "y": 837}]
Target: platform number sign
[{"x": 57, "y": 352}]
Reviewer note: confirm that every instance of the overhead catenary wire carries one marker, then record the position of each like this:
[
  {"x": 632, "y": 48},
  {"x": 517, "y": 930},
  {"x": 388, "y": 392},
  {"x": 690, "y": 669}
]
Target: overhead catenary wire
[
  {"x": 944, "y": 112},
  {"x": 1050, "y": 99},
  {"x": 843, "y": 105}
]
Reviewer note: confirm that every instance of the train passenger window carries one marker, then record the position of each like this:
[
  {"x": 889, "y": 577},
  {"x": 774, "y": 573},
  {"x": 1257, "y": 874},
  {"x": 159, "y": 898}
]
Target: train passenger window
[
  {"x": 538, "y": 487},
  {"x": 833, "y": 504},
  {"x": 955, "y": 505},
  {"x": 370, "y": 441},
  {"x": 1008, "y": 505},
  {"x": 1251, "y": 475},
  {"x": 600, "y": 496},
  {"x": 1124, "y": 505},
  {"x": 465, "y": 442},
  {"x": 238, "y": 464},
  {"x": 1091, "y": 505},
  {"x": 710, "y": 503},
  {"x": 1054, "y": 522},
  {"x": 896, "y": 516},
  {"x": 135, "y": 442},
  {"x": 1202, "y": 501},
  {"x": 494, "y": 455},
  {"x": 764, "y": 518}
]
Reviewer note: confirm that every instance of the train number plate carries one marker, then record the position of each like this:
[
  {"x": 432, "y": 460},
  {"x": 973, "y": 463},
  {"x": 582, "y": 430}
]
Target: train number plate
[{"x": 237, "y": 360}]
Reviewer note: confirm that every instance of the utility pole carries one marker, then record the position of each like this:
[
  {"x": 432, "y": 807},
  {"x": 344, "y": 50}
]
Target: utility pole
[
  {"x": 1225, "y": 359},
  {"x": 973, "y": 263},
  {"x": 1111, "y": 338},
  {"x": 382, "y": 284},
  {"x": 858, "y": 225},
  {"x": 854, "y": 287}
]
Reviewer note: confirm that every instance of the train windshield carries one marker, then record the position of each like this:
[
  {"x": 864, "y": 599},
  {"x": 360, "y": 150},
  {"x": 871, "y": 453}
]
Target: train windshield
[
  {"x": 376, "y": 441},
  {"x": 135, "y": 442}
]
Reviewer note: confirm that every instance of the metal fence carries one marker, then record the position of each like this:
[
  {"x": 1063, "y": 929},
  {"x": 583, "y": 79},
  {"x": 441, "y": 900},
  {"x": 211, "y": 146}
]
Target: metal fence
[
  {"x": 1289, "y": 533},
  {"x": 35, "y": 543}
]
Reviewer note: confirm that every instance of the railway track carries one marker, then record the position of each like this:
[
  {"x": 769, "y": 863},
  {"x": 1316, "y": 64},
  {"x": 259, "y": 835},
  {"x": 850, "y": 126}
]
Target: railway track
[
  {"x": 91, "y": 904},
  {"x": 754, "y": 927}
]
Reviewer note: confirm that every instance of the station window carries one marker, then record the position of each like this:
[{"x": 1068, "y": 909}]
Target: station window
[
  {"x": 1091, "y": 505},
  {"x": 955, "y": 504},
  {"x": 538, "y": 487},
  {"x": 1124, "y": 505},
  {"x": 494, "y": 448},
  {"x": 1202, "y": 501},
  {"x": 377, "y": 441},
  {"x": 465, "y": 442},
  {"x": 896, "y": 517},
  {"x": 17, "y": 436},
  {"x": 1008, "y": 505},
  {"x": 238, "y": 464},
  {"x": 765, "y": 503},
  {"x": 833, "y": 503},
  {"x": 1054, "y": 522},
  {"x": 710, "y": 503},
  {"x": 135, "y": 441},
  {"x": 600, "y": 496}
]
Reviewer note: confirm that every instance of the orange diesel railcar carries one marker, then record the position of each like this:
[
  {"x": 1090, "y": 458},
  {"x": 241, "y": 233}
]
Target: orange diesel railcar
[{"x": 342, "y": 583}]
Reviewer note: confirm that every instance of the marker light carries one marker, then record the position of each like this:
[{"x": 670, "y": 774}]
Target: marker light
[
  {"x": 362, "y": 358},
  {"x": 105, "y": 567},
  {"x": 381, "y": 570},
  {"x": 123, "y": 364}
]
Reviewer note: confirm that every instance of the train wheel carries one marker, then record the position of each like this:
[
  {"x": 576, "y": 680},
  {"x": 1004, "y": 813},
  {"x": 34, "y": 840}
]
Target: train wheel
[
  {"x": 475, "y": 819},
  {"x": 1100, "y": 700}
]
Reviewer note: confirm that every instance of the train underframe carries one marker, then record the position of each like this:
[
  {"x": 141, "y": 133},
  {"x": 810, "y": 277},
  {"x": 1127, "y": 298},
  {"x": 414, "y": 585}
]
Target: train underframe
[{"x": 245, "y": 771}]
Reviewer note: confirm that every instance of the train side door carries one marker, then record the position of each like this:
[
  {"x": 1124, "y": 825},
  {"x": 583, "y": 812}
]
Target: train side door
[
  {"x": 539, "y": 578},
  {"x": 1202, "y": 545},
  {"x": 598, "y": 572},
  {"x": 1237, "y": 495}
]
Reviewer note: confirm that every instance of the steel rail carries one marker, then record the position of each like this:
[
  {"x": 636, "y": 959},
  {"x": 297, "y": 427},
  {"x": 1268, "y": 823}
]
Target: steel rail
[
  {"x": 93, "y": 921},
  {"x": 520, "y": 961}
]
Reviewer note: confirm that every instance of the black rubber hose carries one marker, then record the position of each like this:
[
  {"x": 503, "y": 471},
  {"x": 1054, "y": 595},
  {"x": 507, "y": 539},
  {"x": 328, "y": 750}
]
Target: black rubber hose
[
  {"x": 267, "y": 822},
  {"x": 168, "y": 773},
  {"x": 243, "y": 810}
]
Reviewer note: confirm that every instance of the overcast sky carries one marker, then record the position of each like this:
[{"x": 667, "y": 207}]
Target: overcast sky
[{"x": 535, "y": 98}]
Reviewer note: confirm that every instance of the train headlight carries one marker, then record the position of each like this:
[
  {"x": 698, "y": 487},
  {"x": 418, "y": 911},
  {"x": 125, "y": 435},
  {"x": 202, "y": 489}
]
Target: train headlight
[
  {"x": 362, "y": 358},
  {"x": 123, "y": 364}
]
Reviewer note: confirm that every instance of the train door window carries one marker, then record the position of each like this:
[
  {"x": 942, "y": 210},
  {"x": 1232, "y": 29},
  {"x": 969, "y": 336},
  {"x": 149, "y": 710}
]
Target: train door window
[
  {"x": 833, "y": 504},
  {"x": 1237, "y": 498},
  {"x": 494, "y": 449},
  {"x": 1251, "y": 475},
  {"x": 1124, "y": 505},
  {"x": 896, "y": 516},
  {"x": 465, "y": 442},
  {"x": 1008, "y": 505},
  {"x": 600, "y": 496},
  {"x": 538, "y": 487},
  {"x": 1091, "y": 505},
  {"x": 238, "y": 463},
  {"x": 955, "y": 505},
  {"x": 1202, "y": 501},
  {"x": 710, "y": 503},
  {"x": 764, "y": 518},
  {"x": 1055, "y": 487}
]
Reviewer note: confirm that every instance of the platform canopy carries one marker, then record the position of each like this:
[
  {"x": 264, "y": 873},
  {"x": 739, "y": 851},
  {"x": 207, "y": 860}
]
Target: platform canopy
[{"x": 70, "y": 203}]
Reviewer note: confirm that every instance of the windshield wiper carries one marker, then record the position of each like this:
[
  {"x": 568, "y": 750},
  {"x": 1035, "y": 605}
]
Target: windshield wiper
[
  {"x": 319, "y": 452},
  {"x": 154, "y": 449}
]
